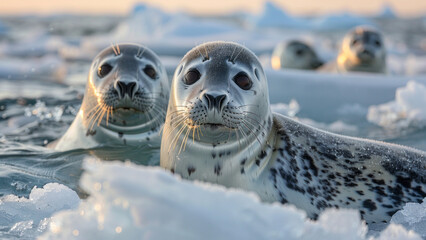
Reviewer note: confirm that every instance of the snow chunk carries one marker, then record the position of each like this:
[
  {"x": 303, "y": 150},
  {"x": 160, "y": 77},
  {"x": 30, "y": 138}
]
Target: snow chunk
[
  {"x": 134, "y": 202},
  {"x": 408, "y": 109},
  {"x": 398, "y": 232},
  {"x": 412, "y": 216},
  {"x": 30, "y": 216},
  {"x": 290, "y": 109}
]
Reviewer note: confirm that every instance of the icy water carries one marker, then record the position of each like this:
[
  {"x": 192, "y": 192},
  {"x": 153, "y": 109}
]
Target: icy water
[{"x": 44, "y": 63}]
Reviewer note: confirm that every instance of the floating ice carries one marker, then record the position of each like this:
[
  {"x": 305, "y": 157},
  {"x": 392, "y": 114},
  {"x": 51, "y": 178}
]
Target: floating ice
[
  {"x": 290, "y": 109},
  {"x": 408, "y": 109},
  {"x": 28, "y": 217},
  {"x": 412, "y": 216},
  {"x": 134, "y": 202},
  {"x": 45, "y": 68}
]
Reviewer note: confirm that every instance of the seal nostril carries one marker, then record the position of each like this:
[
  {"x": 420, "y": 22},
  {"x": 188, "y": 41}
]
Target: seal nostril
[
  {"x": 210, "y": 100},
  {"x": 120, "y": 86},
  {"x": 131, "y": 89},
  {"x": 215, "y": 101},
  {"x": 220, "y": 100},
  {"x": 125, "y": 88}
]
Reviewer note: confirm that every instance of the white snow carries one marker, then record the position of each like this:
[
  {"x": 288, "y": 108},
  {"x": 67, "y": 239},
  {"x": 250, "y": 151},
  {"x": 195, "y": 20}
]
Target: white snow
[
  {"x": 28, "y": 217},
  {"x": 407, "y": 110},
  {"x": 134, "y": 202},
  {"x": 290, "y": 109},
  {"x": 412, "y": 216}
]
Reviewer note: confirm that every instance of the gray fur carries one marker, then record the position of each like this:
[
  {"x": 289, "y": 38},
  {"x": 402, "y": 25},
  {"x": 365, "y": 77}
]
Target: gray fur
[{"x": 110, "y": 117}]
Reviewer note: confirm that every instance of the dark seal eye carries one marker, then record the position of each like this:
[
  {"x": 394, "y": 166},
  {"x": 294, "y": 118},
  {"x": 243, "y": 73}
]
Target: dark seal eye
[
  {"x": 191, "y": 77},
  {"x": 355, "y": 41},
  {"x": 299, "y": 52},
  {"x": 243, "y": 81},
  {"x": 104, "y": 70},
  {"x": 378, "y": 43},
  {"x": 150, "y": 71}
]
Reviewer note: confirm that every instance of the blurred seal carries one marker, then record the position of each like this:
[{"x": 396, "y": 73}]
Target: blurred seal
[
  {"x": 362, "y": 50},
  {"x": 296, "y": 55}
]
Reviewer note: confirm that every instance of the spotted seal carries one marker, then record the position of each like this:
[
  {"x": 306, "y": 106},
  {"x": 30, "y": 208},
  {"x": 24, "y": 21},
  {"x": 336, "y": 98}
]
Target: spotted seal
[
  {"x": 219, "y": 128},
  {"x": 295, "y": 54},
  {"x": 125, "y": 101},
  {"x": 362, "y": 50}
]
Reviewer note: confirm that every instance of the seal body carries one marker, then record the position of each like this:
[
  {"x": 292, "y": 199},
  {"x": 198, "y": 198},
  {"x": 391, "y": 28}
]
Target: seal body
[
  {"x": 362, "y": 50},
  {"x": 219, "y": 128},
  {"x": 124, "y": 103},
  {"x": 295, "y": 54}
]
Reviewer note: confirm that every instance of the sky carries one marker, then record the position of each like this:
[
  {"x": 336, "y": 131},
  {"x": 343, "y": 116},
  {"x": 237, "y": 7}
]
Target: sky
[{"x": 297, "y": 7}]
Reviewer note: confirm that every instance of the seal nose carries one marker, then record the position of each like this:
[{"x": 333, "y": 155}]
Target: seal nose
[
  {"x": 215, "y": 100},
  {"x": 124, "y": 88},
  {"x": 366, "y": 52}
]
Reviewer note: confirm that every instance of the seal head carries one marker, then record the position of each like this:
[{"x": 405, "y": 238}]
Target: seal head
[
  {"x": 295, "y": 54},
  {"x": 125, "y": 99},
  {"x": 219, "y": 102},
  {"x": 362, "y": 50}
]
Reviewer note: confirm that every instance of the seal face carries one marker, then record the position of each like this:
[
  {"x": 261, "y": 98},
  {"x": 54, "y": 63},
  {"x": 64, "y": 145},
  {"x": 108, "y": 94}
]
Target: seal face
[
  {"x": 362, "y": 50},
  {"x": 219, "y": 128},
  {"x": 125, "y": 100},
  {"x": 295, "y": 54}
]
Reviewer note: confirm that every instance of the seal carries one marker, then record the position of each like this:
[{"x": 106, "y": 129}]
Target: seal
[
  {"x": 219, "y": 128},
  {"x": 125, "y": 101},
  {"x": 362, "y": 50},
  {"x": 295, "y": 54}
]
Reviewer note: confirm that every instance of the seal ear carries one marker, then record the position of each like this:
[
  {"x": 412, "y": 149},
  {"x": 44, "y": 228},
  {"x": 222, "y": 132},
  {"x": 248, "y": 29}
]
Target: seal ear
[{"x": 256, "y": 72}]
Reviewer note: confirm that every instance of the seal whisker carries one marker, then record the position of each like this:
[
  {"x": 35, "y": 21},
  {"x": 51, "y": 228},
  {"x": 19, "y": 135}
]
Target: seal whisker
[
  {"x": 207, "y": 54},
  {"x": 257, "y": 121},
  {"x": 118, "y": 49},
  {"x": 177, "y": 124},
  {"x": 94, "y": 114},
  {"x": 113, "y": 48},
  {"x": 201, "y": 54},
  {"x": 102, "y": 114},
  {"x": 236, "y": 57},
  {"x": 176, "y": 138},
  {"x": 232, "y": 55},
  {"x": 95, "y": 117},
  {"x": 250, "y": 130},
  {"x": 185, "y": 139}
]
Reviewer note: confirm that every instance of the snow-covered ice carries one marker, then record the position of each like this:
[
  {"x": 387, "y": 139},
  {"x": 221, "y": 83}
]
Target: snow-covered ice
[
  {"x": 28, "y": 217},
  {"x": 134, "y": 202},
  {"x": 407, "y": 110},
  {"x": 290, "y": 109},
  {"x": 413, "y": 217}
]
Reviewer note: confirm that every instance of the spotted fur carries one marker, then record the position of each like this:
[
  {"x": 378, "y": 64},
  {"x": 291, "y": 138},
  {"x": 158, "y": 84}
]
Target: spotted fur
[{"x": 280, "y": 159}]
